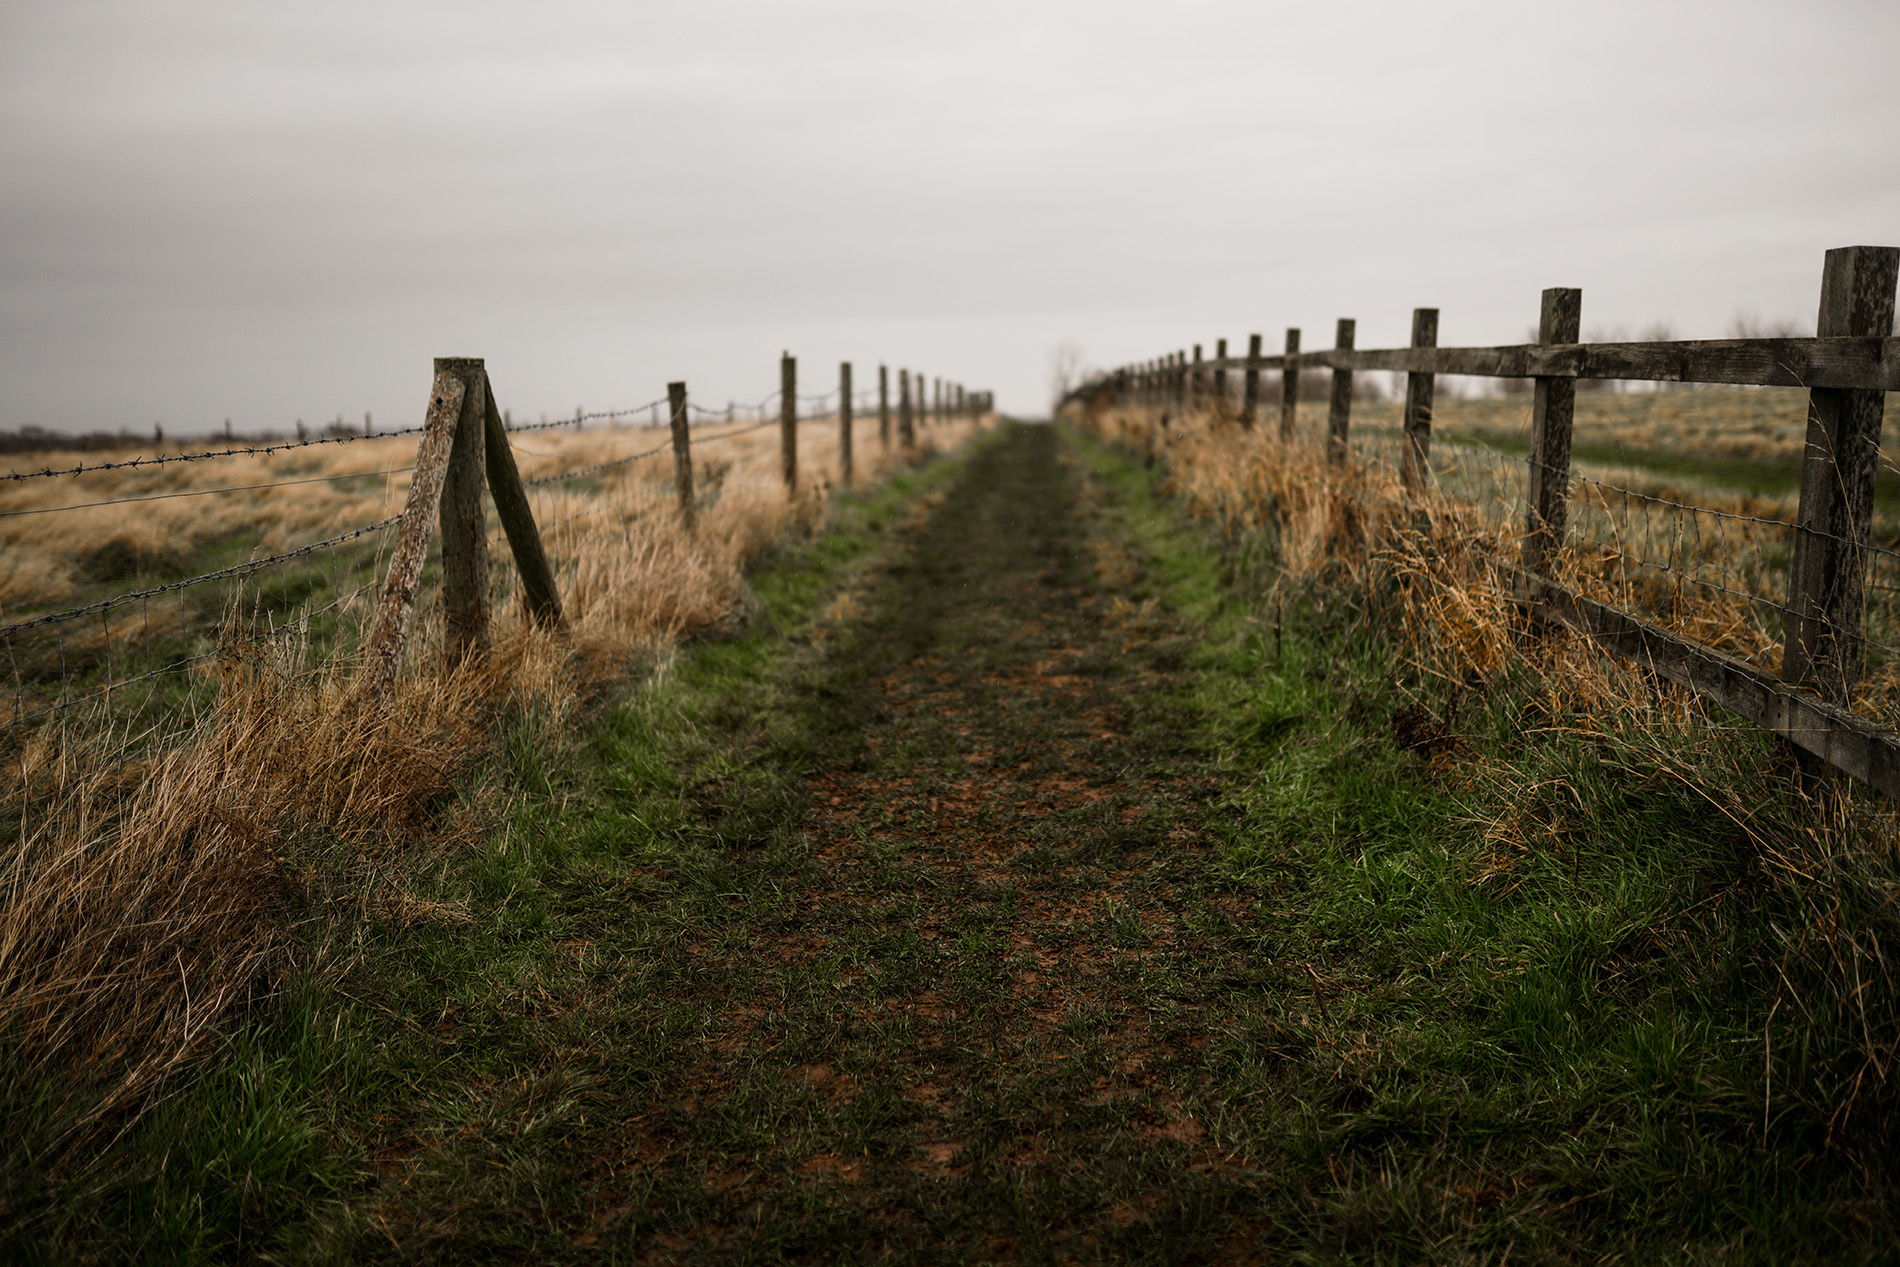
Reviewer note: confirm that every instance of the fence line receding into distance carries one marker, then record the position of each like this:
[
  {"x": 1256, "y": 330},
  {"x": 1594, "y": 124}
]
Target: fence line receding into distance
[
  {"x": 143, "y": 645},
  {"x": 1570, "y": 539}
]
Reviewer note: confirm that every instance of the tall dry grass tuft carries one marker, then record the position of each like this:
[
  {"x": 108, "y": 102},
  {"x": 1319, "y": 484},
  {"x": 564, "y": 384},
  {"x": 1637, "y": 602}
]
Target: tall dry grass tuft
[
  {"x": 1422, "y": 568},
  {"x": 150, "y": 880}
]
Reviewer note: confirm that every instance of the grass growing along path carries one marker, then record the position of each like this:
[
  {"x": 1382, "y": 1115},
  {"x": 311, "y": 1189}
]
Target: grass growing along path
[{"x": 1029, "y": 883}]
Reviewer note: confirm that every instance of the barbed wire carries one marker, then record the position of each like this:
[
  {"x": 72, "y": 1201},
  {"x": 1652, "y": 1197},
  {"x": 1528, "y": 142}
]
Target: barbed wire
[
  {"x": 269, "y": 448},
  {"x": 164, "y": 459},
  {"x": 644, "y": 453},
  {"x": 597, "y": 468},
  {"x": 205, "y": 492},
  {"x": 221, "y": 574}
]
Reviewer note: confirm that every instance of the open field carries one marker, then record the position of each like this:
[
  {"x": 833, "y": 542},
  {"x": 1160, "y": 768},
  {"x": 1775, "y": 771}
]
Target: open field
[{"x": 1043, "y": 875}]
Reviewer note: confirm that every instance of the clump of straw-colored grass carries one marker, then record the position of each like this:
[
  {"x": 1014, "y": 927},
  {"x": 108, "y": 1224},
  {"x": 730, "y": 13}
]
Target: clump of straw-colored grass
[{"x": 147, "y": 888}]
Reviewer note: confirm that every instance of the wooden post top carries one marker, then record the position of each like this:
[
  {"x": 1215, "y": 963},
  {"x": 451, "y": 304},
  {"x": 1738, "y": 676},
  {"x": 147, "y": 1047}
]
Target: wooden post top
[
  {"x": 1857, "y": 291},
  {"x": 1559, "y": 316}
]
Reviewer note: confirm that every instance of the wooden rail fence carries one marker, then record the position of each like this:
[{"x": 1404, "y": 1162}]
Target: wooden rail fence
[{"x": 1853, "y": 360}]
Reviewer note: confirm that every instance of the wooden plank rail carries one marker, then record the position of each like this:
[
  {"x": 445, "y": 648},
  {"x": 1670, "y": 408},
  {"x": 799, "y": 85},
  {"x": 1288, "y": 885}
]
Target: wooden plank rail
[
  {"x": 1863, "y": 363},
  {"x": 1843, "y": 740}
]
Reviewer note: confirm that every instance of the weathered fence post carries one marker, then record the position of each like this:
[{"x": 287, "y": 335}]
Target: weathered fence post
[
  {"x": 1824, "y": 648},
  {"x": 464, "y": 519},
  {"x": 788, "y": 420},
  {"x": 906, "y": 424},
  {"x": 884, "y": 408},
  {"x": 1339, "y": 410},
  {"x": 390, "y": 627},
  {"x": 1180, "y": 378},
  {"x": 1250, "y": 389},
  {"x": 1415, "y": 459},
  {"x": 1196, "y": 383},
  {"x": 1220, "y": 375},
  {"x": 1553, "y": 407},
  {"x": 538, "y": 590},
  {"x": 844, "y": 421},
  {"x": 1290, "y": 384},
  {"x": 682, "y": 454}
]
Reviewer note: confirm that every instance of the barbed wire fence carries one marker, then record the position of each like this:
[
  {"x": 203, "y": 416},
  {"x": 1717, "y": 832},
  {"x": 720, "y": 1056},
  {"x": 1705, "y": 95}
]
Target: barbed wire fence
[{"x": 138, "y": 654}]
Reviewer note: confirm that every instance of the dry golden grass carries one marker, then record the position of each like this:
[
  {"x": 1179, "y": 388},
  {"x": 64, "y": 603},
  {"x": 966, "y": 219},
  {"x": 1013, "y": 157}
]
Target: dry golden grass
[
  {"x": 1714, "y": 579},
  {"x": 142, "y": 884}
]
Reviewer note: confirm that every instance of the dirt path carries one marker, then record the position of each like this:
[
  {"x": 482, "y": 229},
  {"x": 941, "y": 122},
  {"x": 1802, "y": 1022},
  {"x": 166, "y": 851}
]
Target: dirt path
[{"x": 980, "y": 1018}]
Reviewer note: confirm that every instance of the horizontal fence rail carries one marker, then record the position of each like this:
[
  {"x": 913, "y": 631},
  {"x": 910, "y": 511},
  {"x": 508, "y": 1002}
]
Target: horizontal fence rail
[
  {"x": 1809, "y": 588},
  {"x": 1854, "y": 363}
]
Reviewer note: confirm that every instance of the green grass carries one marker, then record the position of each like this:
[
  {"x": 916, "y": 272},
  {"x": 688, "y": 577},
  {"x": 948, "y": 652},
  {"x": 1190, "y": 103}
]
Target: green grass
[{"x": 1081, "y": 890}]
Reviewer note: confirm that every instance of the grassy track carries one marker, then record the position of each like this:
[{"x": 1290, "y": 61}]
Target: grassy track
[{"x": 1028, "y": 884}]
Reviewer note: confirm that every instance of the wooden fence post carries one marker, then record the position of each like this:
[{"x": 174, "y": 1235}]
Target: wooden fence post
[
  {"x": 390, "y": 627},
  {"x": 1196, "y": 396},
  {"x": 884, "y": 408},
  {"x": 464, "y": 519},
  {"x": 682, "y": 454},
  {"x": 1180, "y": 378},
  {"x": 1824, "y": 648},
  {"x": 1290, "y": 384},
  {"x": 788, "y": 420},
  {"x": 1553, "y": 406},
  {"x": 538, "y": 590},
  {"x": 844, "y": 421},
  {"x": 1415, "y": 459},
  {"x": 1250, "y": 389},
  {"x": 906, "y": 425},
  {"x": 1220, "y": 375},
  {"x": 1339, "y": 411}
]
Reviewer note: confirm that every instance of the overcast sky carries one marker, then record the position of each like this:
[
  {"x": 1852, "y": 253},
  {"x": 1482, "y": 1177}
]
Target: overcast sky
[{"x": 268, "y": 211}]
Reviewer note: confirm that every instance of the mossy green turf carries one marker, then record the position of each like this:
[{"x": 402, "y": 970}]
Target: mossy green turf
[{"x": 1388, "y": 1049}]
